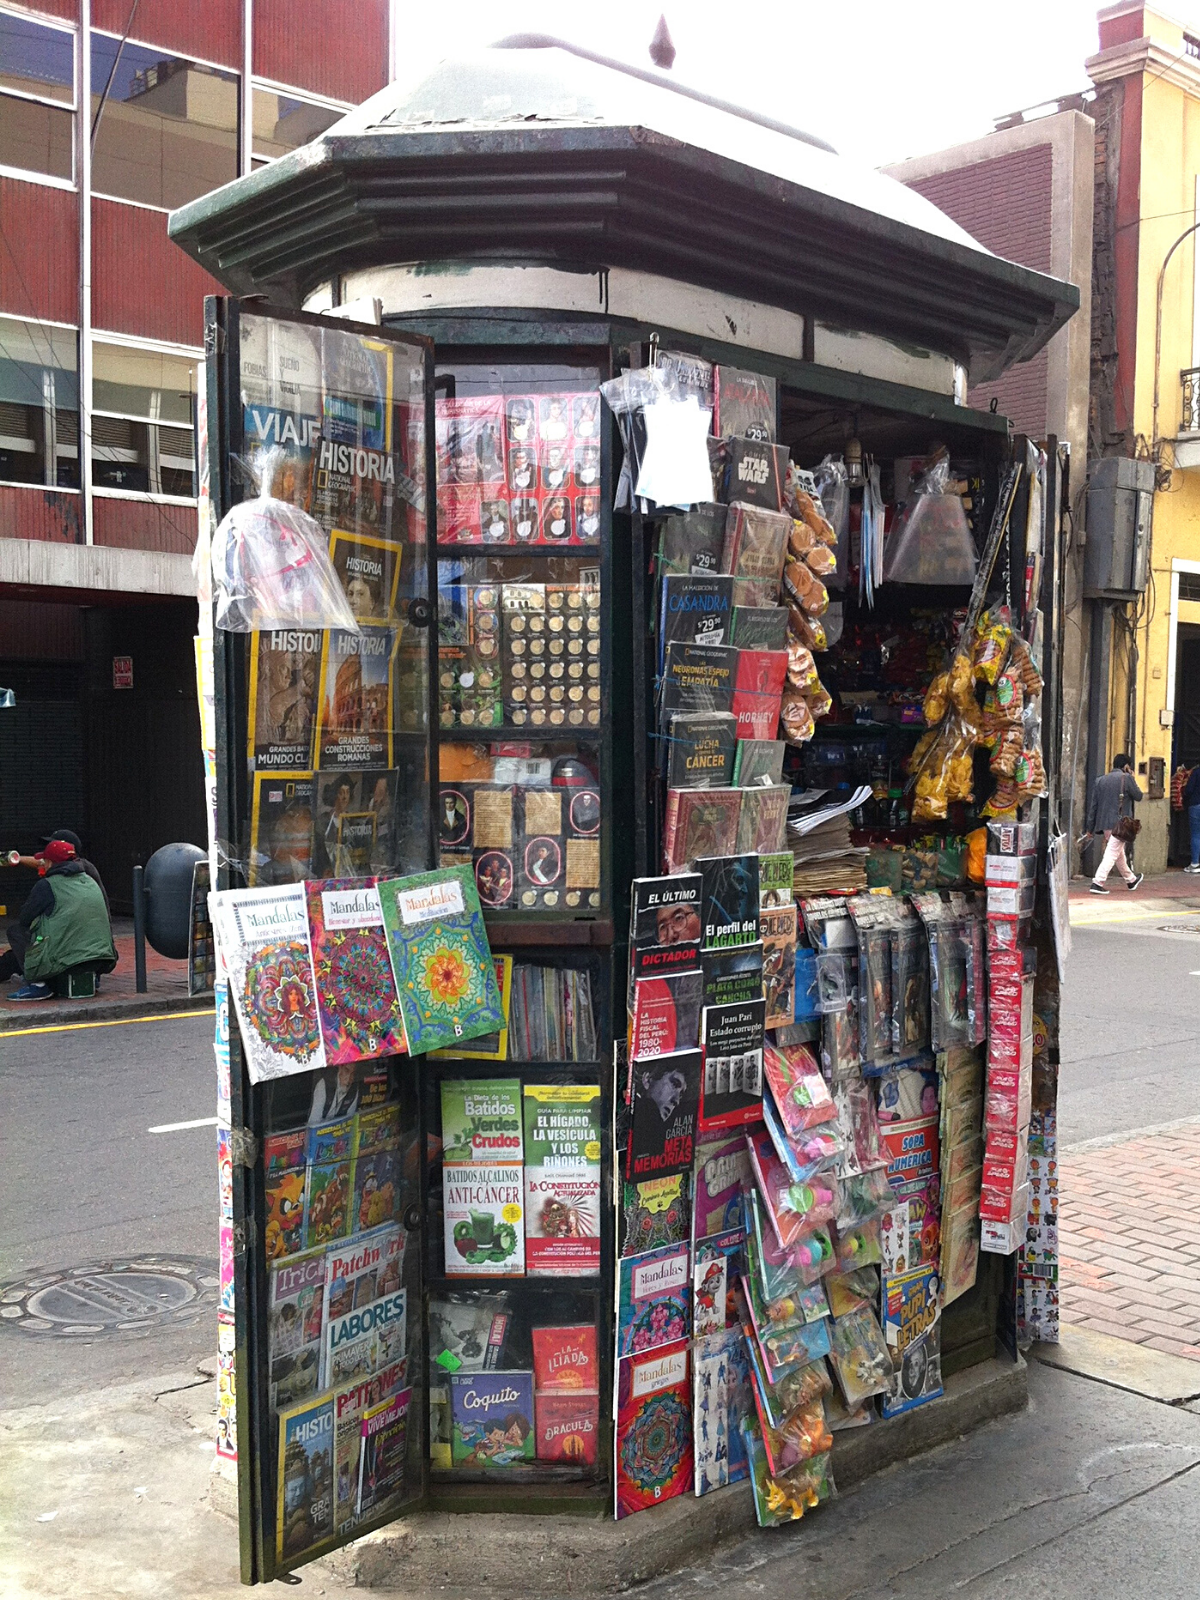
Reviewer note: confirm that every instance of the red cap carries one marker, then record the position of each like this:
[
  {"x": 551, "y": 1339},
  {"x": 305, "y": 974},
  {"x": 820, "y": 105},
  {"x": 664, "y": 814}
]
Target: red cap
[{"x": 55, "y": 853}]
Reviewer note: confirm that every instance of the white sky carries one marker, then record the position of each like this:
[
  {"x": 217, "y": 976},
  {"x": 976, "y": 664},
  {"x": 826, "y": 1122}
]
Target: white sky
[{"x": 878, "y": 79}]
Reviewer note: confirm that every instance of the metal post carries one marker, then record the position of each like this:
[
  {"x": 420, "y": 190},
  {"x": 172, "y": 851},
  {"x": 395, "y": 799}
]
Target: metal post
[{"x": 139, "y": 929}]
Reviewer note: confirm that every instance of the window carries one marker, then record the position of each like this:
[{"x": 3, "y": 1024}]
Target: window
[
  {"x": 169, "y": 128},
  {"x": 143, "y": 421},
  {"x": 284, "y": 122},
  {"x": 1189, "y": 585},
  {"x": 37, "y": 97},
  {"x": 39, "y": 404}
]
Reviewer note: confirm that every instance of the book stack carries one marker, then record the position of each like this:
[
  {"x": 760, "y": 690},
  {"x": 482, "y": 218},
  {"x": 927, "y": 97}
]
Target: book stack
[{"x": 551, "y": 1016}]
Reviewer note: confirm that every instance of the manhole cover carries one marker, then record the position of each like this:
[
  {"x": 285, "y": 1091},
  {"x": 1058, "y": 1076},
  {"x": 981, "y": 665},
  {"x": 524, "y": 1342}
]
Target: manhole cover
[
  {"x": 111, "y": 1299},
  {"x": 1179, "y": 927}
]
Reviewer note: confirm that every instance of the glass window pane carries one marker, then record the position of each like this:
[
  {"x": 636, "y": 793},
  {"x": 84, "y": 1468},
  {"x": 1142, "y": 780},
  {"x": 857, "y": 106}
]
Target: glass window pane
[
  {"x": 141, "y": 457},
  {"x": 35, "y": 137},
  {"x": 142, "y": 383},
  {"x": 37, "y": 59},
  {"x": 283, "y": 122},
  {"x": 39, "y": 421},
  {"x": 169, "y": 128}
]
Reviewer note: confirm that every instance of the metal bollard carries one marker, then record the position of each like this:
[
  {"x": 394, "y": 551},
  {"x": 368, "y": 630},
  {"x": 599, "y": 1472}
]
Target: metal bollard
[{"x": 139, "y": 930}]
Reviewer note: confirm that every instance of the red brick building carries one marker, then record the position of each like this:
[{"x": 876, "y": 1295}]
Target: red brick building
[{"x": 109, "y": 118}]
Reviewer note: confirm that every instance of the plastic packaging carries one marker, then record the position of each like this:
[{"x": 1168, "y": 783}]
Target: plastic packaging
[
  {"x": 271, "y": 566},
  {"x": 808, "y": 630},
  {"x": 859, "y": 1357},
  {"x": 863, "y": 1198},
  {"x": 859, "y": 1247},
  {"x": 931, "y": 542},
  {"x": 665, "y": 431}
]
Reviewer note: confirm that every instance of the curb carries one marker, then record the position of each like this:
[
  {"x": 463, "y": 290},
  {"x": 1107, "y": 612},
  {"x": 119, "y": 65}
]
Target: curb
[
  {"x": 48, "y": 1014},
  {"x": 570, "y": 1555}
]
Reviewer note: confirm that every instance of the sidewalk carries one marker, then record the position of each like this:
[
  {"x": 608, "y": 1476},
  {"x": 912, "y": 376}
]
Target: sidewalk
[
  {"x": 1130, "y": 1251},
  {"x": 166, "y": 990},
  {"x": 1170, "y": 895}
]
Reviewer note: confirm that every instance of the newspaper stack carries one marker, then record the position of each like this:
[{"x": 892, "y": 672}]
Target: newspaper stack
[{"x": 819, "y": 837}]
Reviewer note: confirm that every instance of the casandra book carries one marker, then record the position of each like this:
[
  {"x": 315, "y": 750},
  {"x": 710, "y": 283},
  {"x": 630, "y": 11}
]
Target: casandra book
[
  {"x": 491, "y": 1416},
  {"x": 729, "y": 900},
  {"x": 654, "y": 1299},
  {"x": 562, "y": 1180},
  {"x": 445, "y": 974},
  {"x": 666, "y": 1014},
  {"x": 263, "y": 937},
  {"x": 304, "y": 1513},
  {"x": 694, "y": 610},
  {"x": 700, "y": 750},
  {"x": 357, "y": 1006},
  {"x": 654, "y": 1428},
  {"x": 666, "y": 1101}
]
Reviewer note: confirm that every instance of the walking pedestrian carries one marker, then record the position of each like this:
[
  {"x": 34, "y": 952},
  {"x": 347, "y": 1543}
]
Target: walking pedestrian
[
  {"x": 1111, "y": 812},
  {"x": 1189, "y": 799}
]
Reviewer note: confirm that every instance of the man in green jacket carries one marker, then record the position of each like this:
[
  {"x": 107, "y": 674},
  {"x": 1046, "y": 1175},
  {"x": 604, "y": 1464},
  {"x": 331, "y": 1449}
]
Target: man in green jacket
[{"x": 63, "y": 924}]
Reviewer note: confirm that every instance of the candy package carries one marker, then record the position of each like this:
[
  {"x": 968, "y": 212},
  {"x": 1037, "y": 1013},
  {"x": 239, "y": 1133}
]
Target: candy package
[{"x": 270, "y": 564}]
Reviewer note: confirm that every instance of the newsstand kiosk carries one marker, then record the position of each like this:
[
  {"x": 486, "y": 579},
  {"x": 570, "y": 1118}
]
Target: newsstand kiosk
[{"x": 721, "y": 1218}]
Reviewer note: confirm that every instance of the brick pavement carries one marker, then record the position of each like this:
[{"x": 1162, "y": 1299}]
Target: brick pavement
[
  {"x": 166, "y": 981},
  {"x": 1129, "y": 1241}
]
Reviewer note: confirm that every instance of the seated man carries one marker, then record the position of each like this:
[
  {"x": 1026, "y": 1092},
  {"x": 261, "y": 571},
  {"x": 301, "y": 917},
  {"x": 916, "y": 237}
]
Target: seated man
[{"x": 63, "y": 924}]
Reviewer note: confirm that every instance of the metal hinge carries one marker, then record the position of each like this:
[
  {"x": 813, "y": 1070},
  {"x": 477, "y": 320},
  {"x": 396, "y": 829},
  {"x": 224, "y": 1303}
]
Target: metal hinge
[{"x": 243, "y": 1147}]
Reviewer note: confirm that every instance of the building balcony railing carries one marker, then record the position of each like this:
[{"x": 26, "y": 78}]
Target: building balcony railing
[{"x": 1189, "y": 400}]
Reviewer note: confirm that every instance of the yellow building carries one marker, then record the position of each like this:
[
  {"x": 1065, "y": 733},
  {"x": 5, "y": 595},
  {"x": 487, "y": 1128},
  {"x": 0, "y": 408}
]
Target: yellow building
[{"x": 1144, "y": 690}]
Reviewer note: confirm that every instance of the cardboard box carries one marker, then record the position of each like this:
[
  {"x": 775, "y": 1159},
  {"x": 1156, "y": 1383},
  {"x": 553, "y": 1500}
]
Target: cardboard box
[
  {"x": 1006, "y": 1109},
  {"x": 1012, "y": 838},
  {"x": 1009, "y": 1054},
  {"x": 1010, "y": 900},
  {"x": 1010, "y": 869}
]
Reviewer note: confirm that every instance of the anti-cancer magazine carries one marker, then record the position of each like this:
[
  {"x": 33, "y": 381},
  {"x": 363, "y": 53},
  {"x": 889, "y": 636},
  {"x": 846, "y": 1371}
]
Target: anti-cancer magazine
[{"x": 263, "y": 935}]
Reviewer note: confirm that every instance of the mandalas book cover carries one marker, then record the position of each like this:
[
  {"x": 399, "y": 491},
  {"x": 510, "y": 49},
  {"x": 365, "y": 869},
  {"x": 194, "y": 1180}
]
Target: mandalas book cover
[
  {"x": 654, "y": 1428},
  {"x": 263, "y": 935},
  {"x": 357, "y": 1007}
]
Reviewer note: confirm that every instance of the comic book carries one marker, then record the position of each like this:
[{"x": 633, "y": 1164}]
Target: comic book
[
  {"x": 654, "y": 1299},
  {"x": 263, "y": 937},
  {"x": 779, "y": 964},
  {"x": 445, "y": 974},
  {"x": 351, "y": 1403},
  {"x": 330, "y": 1156},
  {"x": 654, "y": 1456},
  {"x": 492, "y": 1418},
  {"x": 378, "y": 1180},
  {"x": 357, "y": 1007},
  {"x": 304, "y": 1514},
  {"x": 384, "y": 1453},
  {"x": 295, "y": 1321},
  {"x": 562, "y": 1180},
  {"x": 285, "y": 1182}
]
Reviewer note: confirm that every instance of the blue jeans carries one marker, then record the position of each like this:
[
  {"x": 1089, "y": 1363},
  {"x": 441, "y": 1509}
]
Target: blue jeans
[{"x": 1194, "y": 829}]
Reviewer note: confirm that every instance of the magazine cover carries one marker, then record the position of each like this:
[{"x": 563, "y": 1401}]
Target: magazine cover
[
  {"x": 354, "y": 727},
  {"x": 491, "y": 1415},
  {"x": 285, "y": 666},
  {"x": 357, "y": 1007},
  {"x": 282, "y": 808},
  {"x": 562, "y": 1180},
  {"x": 654, "y": 1300},
  {"x": 350, "y": 1406},
  {"x": 912, "y": 1328},
  {"x": 654, "y": 1428},
  {"x": 285, "y": 1183},
  {"x": 445, "y": 974},
  {"x": 263, "y": 935},
  {"x": 666, "y": 1103},
  {"x": 357, "y": 1273},
  {"x": 722, "y": 1171},
  {"x": 330, "y": 1156},
  {"x": 720, "y": 1399},
  {"x": 656, "y": 1213},
  {"x": 384, "y": 1453},
  {"x": 295, "y": 1299},
  {"x": 356, "y": 830},
  {"x": 366, "y": 1339},
  {"x": 304, "y": 1518},
  {"x": 368, "y": 570}
]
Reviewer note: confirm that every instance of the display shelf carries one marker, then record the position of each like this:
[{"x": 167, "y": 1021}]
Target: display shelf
[
  {"x": 510, "y": 730},
  {"x": 539, "y": 1472},
  {"x": 577, "y": 550},
  {"x": 488, "y": 1284}
]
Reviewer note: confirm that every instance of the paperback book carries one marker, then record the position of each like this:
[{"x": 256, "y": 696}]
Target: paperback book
[
  {"x": 654, "y": 1299},
  {"x": 444, "y": 970},
  {"x": 562, "y": 1180},
  {"x": 758, "y": 761},
  {"x": 762, "y": 820},
  {"x": 263, "y": 938},
  {"x": 665, "y": 1106},
  {"x": 760, "y": 627},
  {"x": 722, "y": 1172},
  {"x": 654, "y": 1428},
  {"x": 728, "y": 900},
  {"x": 732, "y": 977},
  {"x": 492, "y": 1418},
  {"x": 779, "y": 939},
  {"x": 696, "y": 677},
  {"x": 285, "y": 664},
  {"x": 564, "y": 1360},
  {"x": 700, "y": 750},
  {"x": 568, "y": 1427},
  {"x": 664, "y": 924},
  {"x": 482, "y": 1121},
  {"x": 357, "y": 1007},
  {"x": 755, "y": 547},
  {"x": 655, "y": 1213},
  {"x": 698, "y": 823},
  {"x": 692, "y": 541},
  {"x": 666, "y": 1014},
  {"x": 733, "y": 1065},
  {"x": 758, "y": 691}
]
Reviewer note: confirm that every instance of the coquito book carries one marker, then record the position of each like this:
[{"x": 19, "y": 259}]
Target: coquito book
[
  {"x": 562, "y": 1180},
  {"x": 729, "y": 901},
  {"x": 491, "y": 1415},
  {"x": 654, "y": 1428},
  {"x": 654, "y": 1304},
  {"x": 666, "y": 1099},
  {"x": 443, "y": 966},
  {"x": 700, "y": 750},
  {"x": 263, "y": 937},
  {"x": 357, "y": 1007}
]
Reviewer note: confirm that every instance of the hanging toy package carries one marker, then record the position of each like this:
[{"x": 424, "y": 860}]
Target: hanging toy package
[
  {"x": 271, "y": 566},
  {"x": 931, "y": 542}
]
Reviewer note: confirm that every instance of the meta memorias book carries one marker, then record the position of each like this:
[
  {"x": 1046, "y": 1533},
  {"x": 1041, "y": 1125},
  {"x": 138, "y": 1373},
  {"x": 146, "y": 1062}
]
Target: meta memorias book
[
  {"x": 666, "y": 1103},
  {"x": 445, "y": 974},
  {"x": 357, "y": 1007},
  {"x": 263, "y": 937}
]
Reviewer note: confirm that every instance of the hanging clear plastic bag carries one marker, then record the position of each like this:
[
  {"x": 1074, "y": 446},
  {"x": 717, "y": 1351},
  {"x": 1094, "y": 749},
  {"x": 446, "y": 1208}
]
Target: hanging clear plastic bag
[
  {"x": 271, "y": 566},
  {"x": 664, "y": 430},
  {"x": 931, "y": 542}
]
